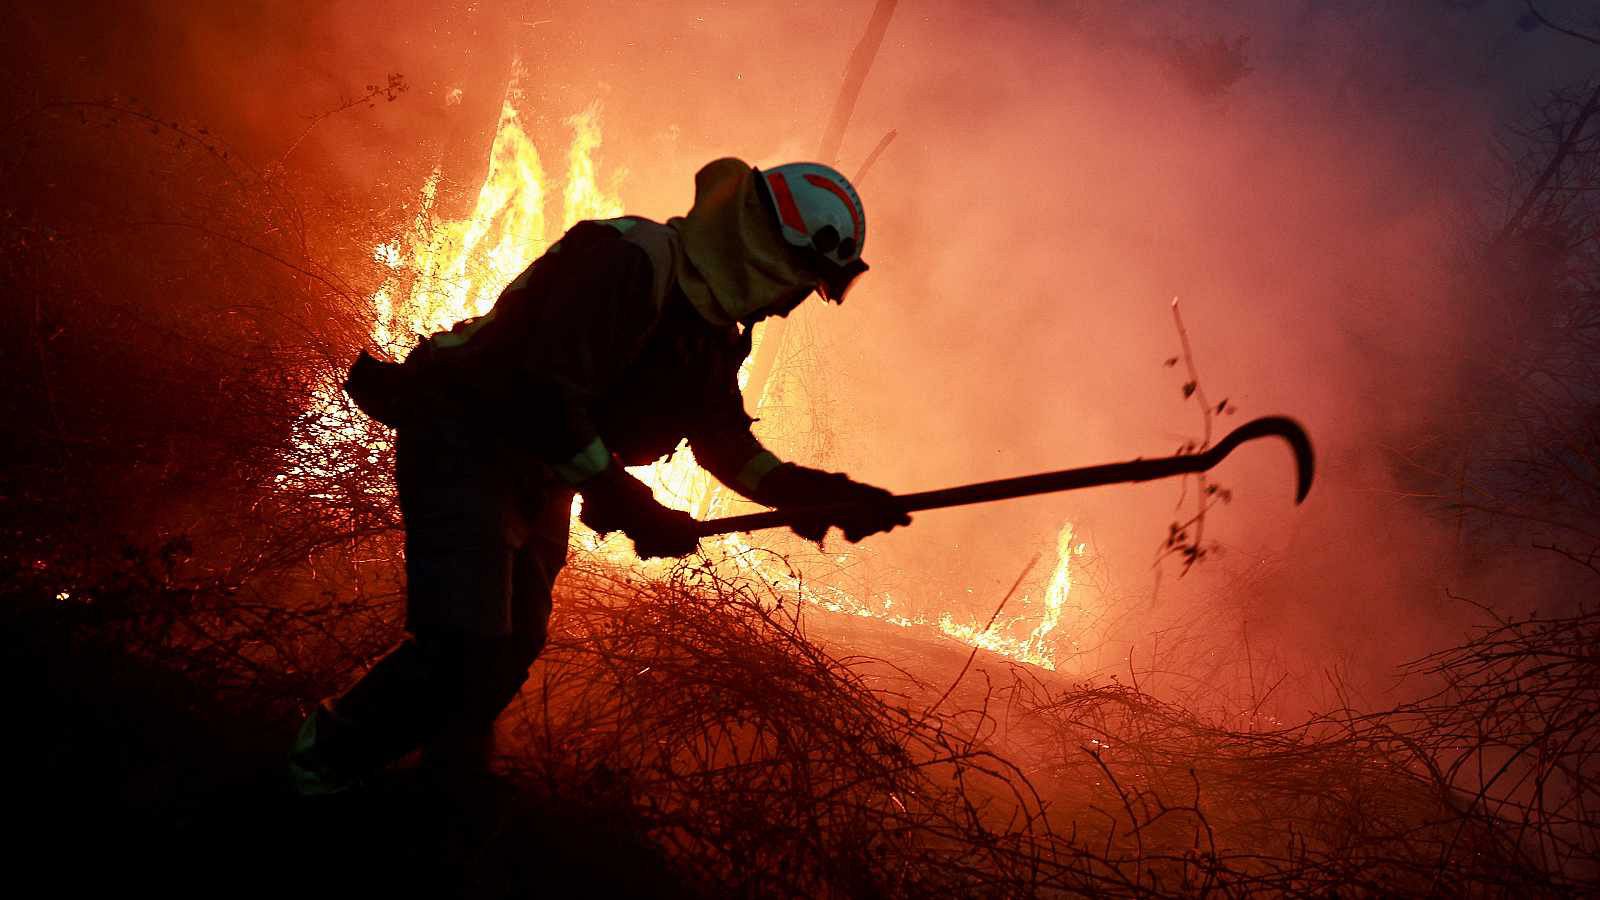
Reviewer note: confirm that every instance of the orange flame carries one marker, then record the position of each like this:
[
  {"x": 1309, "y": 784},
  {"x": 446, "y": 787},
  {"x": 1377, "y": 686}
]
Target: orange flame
[{"x": 1037, "y": 647}]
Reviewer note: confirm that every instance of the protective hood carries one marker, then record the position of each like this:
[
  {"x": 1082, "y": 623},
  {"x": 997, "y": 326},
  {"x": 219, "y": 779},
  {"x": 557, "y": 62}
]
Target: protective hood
[{"x": 736, "y": 263}]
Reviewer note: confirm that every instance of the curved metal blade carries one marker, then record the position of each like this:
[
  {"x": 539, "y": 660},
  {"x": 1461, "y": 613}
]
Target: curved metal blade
[{"x": 1273, "y": 426}]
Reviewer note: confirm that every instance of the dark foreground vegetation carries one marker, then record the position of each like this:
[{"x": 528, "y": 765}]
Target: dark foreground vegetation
[{"x": 686, "y": 736}]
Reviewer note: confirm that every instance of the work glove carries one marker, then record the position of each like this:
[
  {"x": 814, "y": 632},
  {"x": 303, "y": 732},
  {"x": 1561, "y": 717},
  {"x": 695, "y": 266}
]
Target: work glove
[
  {"x": 616, "y": 501},
  {"x": 385, "y": 391},
  {"x": 856, "y": 509}
]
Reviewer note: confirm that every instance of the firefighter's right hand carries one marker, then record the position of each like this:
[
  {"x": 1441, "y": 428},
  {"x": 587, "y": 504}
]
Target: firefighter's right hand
[
  {"x": 835, "y": 500},
  {"x": 616, "y": 501}
]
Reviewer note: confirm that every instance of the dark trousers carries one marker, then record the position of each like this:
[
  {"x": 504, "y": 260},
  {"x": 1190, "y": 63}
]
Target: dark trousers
[{"x": 486, "y": 534}]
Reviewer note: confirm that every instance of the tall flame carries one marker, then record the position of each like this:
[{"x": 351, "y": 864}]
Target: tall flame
[
  {"x": 582, "y": 199},
  {"x": 457, "y": 269}
]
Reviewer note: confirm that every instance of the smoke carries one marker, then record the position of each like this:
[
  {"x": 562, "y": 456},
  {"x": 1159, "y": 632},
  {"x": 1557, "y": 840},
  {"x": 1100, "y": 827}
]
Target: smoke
[
  {"x": 1061, "y": 171},
  {"x": 1057, "y": 184}
]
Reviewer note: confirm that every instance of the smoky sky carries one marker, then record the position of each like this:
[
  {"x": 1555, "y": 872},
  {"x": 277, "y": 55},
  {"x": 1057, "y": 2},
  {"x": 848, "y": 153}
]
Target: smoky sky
[{"x": 1054, "y": 181}]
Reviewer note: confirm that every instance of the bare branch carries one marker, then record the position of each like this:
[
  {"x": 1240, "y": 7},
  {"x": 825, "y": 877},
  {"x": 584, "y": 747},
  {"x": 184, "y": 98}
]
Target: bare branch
[{"x": 1546, "y": 22}]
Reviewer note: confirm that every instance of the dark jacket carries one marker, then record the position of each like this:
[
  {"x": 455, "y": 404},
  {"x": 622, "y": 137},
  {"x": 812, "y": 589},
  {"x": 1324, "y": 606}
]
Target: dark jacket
[{"x": 595, "y": 339}]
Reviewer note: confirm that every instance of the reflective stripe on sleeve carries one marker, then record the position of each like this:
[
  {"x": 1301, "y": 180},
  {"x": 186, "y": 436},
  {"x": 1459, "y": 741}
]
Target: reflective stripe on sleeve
[
  {"x": 756, "y": 469},
  {"x": 585, "y": 464}
]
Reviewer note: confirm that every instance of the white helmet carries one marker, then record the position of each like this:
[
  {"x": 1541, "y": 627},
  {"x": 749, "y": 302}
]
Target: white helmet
[{"x": 818, "y": 210}]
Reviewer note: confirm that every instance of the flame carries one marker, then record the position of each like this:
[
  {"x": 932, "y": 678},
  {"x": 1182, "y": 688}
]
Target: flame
[
  {"x": 440, "y": 272},
  {"x": 1037, "y": 648},
  {"x": 582, "y": 199},
  {"x": 457, "y": 269}
]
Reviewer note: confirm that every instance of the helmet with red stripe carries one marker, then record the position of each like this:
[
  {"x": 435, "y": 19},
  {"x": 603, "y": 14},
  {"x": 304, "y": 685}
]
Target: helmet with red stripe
[{"x": 820, "y": 213}]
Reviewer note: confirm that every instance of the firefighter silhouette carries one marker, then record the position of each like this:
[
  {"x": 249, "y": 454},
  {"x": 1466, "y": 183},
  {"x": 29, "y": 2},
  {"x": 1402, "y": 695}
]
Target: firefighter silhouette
[{"x": 622, "y": 340}]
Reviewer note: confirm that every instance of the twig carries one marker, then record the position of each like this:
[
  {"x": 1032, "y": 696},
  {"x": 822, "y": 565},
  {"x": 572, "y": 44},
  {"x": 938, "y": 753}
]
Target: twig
[{"x": 974, "y": 654}]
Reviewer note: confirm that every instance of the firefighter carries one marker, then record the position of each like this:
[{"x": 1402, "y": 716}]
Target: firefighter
[{"x": 622, "y": 340}]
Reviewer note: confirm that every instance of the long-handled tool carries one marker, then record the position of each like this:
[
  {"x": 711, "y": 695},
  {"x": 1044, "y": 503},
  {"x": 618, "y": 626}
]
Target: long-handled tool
[{"x": 1067, "y": 480}]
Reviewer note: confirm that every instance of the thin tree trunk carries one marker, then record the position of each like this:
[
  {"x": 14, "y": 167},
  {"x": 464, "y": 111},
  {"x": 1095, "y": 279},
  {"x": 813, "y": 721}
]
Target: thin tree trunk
[{"x": 855, "y": 75}]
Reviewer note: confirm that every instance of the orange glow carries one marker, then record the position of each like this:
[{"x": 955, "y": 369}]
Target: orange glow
[{"x": 440, "y": 272}]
